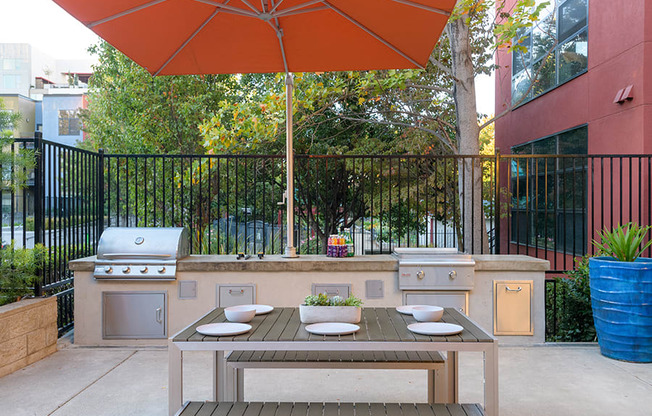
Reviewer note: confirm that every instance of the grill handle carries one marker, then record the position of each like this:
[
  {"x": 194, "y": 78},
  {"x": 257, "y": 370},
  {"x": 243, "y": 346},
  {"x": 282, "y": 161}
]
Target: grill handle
[{"x": 136, "y": 255}]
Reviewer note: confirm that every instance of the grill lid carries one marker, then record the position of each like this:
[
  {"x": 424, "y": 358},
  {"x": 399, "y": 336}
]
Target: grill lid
[
  {"x": 412, "y": 256},
  {"x": 140, "y": 253},
  {"x": 143, "y": 243}
]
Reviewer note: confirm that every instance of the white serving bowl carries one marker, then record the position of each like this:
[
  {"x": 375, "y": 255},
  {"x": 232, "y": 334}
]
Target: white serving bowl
[
  {"x": 241, "y": 313},
  {"x": 426, "y": 313}
]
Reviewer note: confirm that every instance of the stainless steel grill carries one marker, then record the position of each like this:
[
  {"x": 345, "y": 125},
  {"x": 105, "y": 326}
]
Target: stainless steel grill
[
  {"x": 434, "y": 269},
  {"x": 140, "y": 253}
]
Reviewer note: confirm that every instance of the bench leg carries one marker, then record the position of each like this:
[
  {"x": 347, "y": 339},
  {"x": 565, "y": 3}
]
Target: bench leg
[
  {"x": 219, "y": 376},
  {"x": 239, "y": 384},
  {"x": 230, "y": 387}
]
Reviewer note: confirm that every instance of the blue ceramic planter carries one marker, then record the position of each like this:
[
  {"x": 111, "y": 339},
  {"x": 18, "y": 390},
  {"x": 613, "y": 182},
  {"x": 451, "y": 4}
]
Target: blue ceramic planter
[{"x": 621, "y": 298}]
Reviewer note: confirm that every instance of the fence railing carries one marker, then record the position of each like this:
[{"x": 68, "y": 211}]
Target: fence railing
[{"x": 547, "y": 206}]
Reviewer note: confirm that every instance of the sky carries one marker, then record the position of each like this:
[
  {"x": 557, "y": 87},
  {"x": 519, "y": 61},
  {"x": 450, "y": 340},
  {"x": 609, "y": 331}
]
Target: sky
[{"x": 48, "y": 28}]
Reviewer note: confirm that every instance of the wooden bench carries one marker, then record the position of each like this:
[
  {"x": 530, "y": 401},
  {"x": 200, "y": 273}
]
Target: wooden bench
[
  {"x": 327, "y": 409},
  {"x": 432, "y": 361}
]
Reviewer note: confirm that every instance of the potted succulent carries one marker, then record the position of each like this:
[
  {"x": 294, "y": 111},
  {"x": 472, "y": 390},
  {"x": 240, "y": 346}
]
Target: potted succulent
[
  {"x": 621, "y": 293},
  {"x": 321, "y": 308}
]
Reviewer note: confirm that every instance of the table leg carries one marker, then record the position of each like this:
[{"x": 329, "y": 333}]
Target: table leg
[
  {"x": 491, "y": 380},
  {"x": 219, "y": 376},
  {"x": 175, "y": 378}
]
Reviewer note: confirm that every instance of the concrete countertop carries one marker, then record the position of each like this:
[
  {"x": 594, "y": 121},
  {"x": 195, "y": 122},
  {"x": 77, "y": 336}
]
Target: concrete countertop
[
  {"x": 509, "y": 262},
  {"x": 270, "y": 263},
  {"x": 309, "y": 262}
]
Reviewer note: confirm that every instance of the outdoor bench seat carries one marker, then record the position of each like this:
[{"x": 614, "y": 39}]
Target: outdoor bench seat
[
  {"x": 327, "y": 409},
  {"x": 432, "y": 361}
]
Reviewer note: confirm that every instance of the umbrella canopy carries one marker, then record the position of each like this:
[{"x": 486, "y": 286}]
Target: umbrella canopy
[{"x": 175, "y": 37}]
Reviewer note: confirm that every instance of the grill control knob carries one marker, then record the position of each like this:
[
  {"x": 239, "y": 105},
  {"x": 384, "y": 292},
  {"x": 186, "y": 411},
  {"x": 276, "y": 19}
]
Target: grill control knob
[
  {"x": 161, "y": 269},
  {"x": 452, "y": 274},
  {"x": 108, "y": 269},
  {"x": 126, "y": 270},
  {"x": 420, "y": 274},
  {"x": 143, "y": 270}
]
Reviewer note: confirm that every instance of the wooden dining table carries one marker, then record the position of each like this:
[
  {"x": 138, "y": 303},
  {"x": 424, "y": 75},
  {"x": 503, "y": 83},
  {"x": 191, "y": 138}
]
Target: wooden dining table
[{"x": 381, "y": 329}]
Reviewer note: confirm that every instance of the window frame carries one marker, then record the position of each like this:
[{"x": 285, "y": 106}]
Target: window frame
[
  {"x": 73, "y": 114},
  {"x": 526, "y": 209},
  {"x": 531, "y": 63}
]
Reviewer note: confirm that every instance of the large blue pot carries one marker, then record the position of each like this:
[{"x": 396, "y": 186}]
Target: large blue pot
[{"x": 621, "y": 298}]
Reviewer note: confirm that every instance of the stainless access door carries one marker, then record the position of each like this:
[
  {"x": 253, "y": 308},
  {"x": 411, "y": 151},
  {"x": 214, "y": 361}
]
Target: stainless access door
[{"x": 134, "y": 315}]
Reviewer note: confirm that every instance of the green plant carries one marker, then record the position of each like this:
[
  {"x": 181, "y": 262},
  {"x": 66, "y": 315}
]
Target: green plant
[
  {"x": 624, "y": 243},
  {"x": 323, "y": 300},
  {"x": 573, "y": 317},
  {"x": 19, "y": 271}
]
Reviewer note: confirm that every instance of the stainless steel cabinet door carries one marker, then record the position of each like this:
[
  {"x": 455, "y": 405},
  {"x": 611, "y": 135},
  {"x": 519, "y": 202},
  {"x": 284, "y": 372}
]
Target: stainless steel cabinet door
[{"x": 134, "y": 315}]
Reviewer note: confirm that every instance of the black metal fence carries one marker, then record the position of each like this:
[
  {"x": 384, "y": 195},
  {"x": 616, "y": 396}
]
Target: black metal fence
[
  {"x": 547, "y": 206},
  {"x": 59, "y": 209}
]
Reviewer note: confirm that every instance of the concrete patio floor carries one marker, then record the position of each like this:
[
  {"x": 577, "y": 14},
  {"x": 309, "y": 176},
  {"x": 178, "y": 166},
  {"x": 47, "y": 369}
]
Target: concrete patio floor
[{"x": 540, "y": 380}]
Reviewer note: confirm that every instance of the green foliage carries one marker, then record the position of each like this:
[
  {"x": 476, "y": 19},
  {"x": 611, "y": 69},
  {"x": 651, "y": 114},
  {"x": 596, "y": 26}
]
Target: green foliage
[
  {"x": 17, "y": 165},
  {"x": 353, "y": 301},
  {"x": 19, "y": 271},
  {"x": 130, "y": 111},
  {"x": 574, "y": 317},
  {"x": 323, "y": 300},
  {"x": 338, "y": 301},
  {"x": 624, "y": 243},
  {"x": 403, "y": 222}
]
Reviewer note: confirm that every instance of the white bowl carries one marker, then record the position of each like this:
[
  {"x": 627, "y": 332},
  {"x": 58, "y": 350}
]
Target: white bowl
[
  {"x": 241, "y": 313},
  {"x": 426, "y": 313}
]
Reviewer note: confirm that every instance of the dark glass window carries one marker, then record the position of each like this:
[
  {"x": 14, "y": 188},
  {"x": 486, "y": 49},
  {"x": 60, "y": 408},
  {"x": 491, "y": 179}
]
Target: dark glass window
[
  {"x": 557, "y": 50},
  {"x": 69, "y": 123},
  {"x": 549, "y": 193}
]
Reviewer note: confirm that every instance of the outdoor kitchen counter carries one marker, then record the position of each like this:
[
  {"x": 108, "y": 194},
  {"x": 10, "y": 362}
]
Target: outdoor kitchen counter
[
  {"x": 320, "y": 263},
  {"x": 204, "y": 282}
]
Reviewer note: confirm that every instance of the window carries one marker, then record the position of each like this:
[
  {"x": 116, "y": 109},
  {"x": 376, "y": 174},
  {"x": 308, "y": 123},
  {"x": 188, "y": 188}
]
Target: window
[
  {"x": 10, "y": 64},
  {"x": 10, "y": 81},
  {"x": 549, "y": 194},
  {"x": 564, "y": 33},
  {"x": 69, "y": 123}
]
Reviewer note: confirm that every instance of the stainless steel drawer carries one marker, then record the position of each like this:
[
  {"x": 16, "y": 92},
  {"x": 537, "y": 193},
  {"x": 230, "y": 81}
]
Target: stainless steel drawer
[
  {"x": 128, "y": 315},
  {"x": 513, "y": 307},
  {"x": 443, "y": 276},
  {"x": 235, "y": 294}
]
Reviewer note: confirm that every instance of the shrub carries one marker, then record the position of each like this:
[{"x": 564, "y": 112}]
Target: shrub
[
  {"x": 19, "y": 271},
  {"x": 574, "y": 317}
]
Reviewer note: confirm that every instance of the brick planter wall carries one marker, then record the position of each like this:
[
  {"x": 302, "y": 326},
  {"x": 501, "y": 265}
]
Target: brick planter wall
[{"x": 28, "y": 332}]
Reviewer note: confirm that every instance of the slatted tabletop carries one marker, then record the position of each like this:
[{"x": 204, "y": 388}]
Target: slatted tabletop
[
  {"x": 377, "y": 325},
  {"x": 381, "y": 330},
  {"x": 327, "y": 409}
]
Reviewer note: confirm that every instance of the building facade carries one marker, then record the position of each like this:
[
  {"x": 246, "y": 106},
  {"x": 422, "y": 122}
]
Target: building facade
[{"x": 581, "y": 88}]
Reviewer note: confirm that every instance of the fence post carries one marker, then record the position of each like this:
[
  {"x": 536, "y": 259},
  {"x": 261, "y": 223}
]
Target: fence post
[
  {"x": 39, "y": 198},
  {"x": 497, "y": 204},
  {"x": 100, "y": 194}
]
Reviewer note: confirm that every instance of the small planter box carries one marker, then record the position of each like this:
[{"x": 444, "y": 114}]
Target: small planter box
[
  {"x": 28, "y": 332},
  {"x": 316, "y": 314}
]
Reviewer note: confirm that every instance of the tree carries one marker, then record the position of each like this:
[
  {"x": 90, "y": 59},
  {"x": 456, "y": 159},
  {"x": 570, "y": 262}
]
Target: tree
[
  {"x": 21, "y": 162},
  {"x": 440, "y": 100},
  {"x": 131, "y": 111}
]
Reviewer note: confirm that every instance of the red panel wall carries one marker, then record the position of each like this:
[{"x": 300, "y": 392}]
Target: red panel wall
[{"x": 620, "y": 54}]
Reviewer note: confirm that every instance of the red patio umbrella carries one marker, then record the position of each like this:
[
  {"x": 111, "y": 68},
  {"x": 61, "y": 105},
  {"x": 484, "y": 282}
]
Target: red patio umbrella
[{"x": 174, "y": 37}]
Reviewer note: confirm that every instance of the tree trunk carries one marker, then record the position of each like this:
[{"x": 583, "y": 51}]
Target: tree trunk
[{"x": 468, "y": 132}]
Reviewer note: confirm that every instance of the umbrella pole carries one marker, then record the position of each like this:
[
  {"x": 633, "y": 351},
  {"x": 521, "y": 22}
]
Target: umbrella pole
[{"x": 290, "y": 249}]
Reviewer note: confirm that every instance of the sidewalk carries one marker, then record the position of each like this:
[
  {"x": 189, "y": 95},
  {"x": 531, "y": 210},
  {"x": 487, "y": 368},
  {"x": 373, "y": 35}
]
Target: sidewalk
[{"x": 544, "y": 380}]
